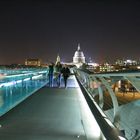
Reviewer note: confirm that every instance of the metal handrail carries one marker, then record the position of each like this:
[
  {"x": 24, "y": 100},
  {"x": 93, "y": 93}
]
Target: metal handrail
[{"x": 108, "y": 129}]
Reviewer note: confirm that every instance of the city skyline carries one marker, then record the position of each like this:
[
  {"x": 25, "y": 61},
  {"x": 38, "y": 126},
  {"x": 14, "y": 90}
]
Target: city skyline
[{"x": 106, "y": 31}]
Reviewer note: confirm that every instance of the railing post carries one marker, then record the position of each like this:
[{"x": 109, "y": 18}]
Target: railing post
[
  {"x": 115, "y": 102},
  {"x": 101, "y": 99}
]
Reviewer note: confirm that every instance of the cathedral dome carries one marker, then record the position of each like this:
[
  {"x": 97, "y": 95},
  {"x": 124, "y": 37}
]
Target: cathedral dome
[
  {"x": 78, "y": 56},
  {"x": 78, "y": 53}
]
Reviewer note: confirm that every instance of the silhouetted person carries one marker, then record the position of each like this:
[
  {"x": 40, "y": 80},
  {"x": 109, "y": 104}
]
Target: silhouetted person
[
  {"x": 58, "y": 69},
  {"x": 50, "y": 74},
  {"x": 66, "y": 73}
]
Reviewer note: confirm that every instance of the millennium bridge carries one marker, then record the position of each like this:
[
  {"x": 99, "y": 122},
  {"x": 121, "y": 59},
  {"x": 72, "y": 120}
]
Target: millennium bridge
[{"x": 95, "y": 106}]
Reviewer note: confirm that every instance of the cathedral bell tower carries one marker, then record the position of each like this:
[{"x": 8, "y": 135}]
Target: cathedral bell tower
[{"x": 57, "y": 59}]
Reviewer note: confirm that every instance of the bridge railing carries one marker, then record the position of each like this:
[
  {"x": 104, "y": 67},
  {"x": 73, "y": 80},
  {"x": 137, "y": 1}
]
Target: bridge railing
[
  {"x": 16, "y": 87},
  {"x": 100, "y": 92}
]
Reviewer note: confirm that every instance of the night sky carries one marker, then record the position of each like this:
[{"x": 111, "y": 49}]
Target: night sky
[{"x": 105, "y": 30}]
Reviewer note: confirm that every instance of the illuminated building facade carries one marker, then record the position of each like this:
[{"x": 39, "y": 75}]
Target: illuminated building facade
[
  {"x": 78, "y": 58},
  {"x": 106, "y": 67},
  {"x": 128, "y": 62},
  {"x": 33, "y": 62}
]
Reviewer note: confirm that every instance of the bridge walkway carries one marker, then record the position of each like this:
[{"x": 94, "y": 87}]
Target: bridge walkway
[{"x": 50, "y": 114}]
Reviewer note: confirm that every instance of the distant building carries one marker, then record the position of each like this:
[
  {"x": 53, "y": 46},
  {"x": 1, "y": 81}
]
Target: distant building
[
  {"x": 57, "y": 59},
  {"x": 128, "y": 62},
  {"x": 126, "y": 65},
  {"x": 119, "y": 62},
  {"x": 105, "y": 68},
  {"x": 33, "y": 62},
  {"x": 78, "y": 58}
]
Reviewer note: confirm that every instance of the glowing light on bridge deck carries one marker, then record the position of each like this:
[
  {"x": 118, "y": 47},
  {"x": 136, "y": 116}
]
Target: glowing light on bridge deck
[
  {"x": 7, "y": 84},
  {"x": 19, "y": 81},
  {"x": 26, "y": 79},
  {"x": 122, "y": 138},
  {"x": 138, "y": 67},
  {"x": 2, "y": 75},
  {"x": 93, "y": 128},
  {"x": 37, "y": 77}
]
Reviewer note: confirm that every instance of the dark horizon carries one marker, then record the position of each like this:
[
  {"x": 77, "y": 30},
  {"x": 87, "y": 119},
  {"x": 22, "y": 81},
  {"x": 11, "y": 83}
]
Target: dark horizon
[{"x": 105, "y": 30}]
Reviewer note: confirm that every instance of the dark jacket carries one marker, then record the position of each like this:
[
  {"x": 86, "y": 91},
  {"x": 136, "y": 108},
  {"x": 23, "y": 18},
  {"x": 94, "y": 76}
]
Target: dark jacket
[
  {"x": 65, "y": 72},
  {"x": 51, "y": 69}
]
